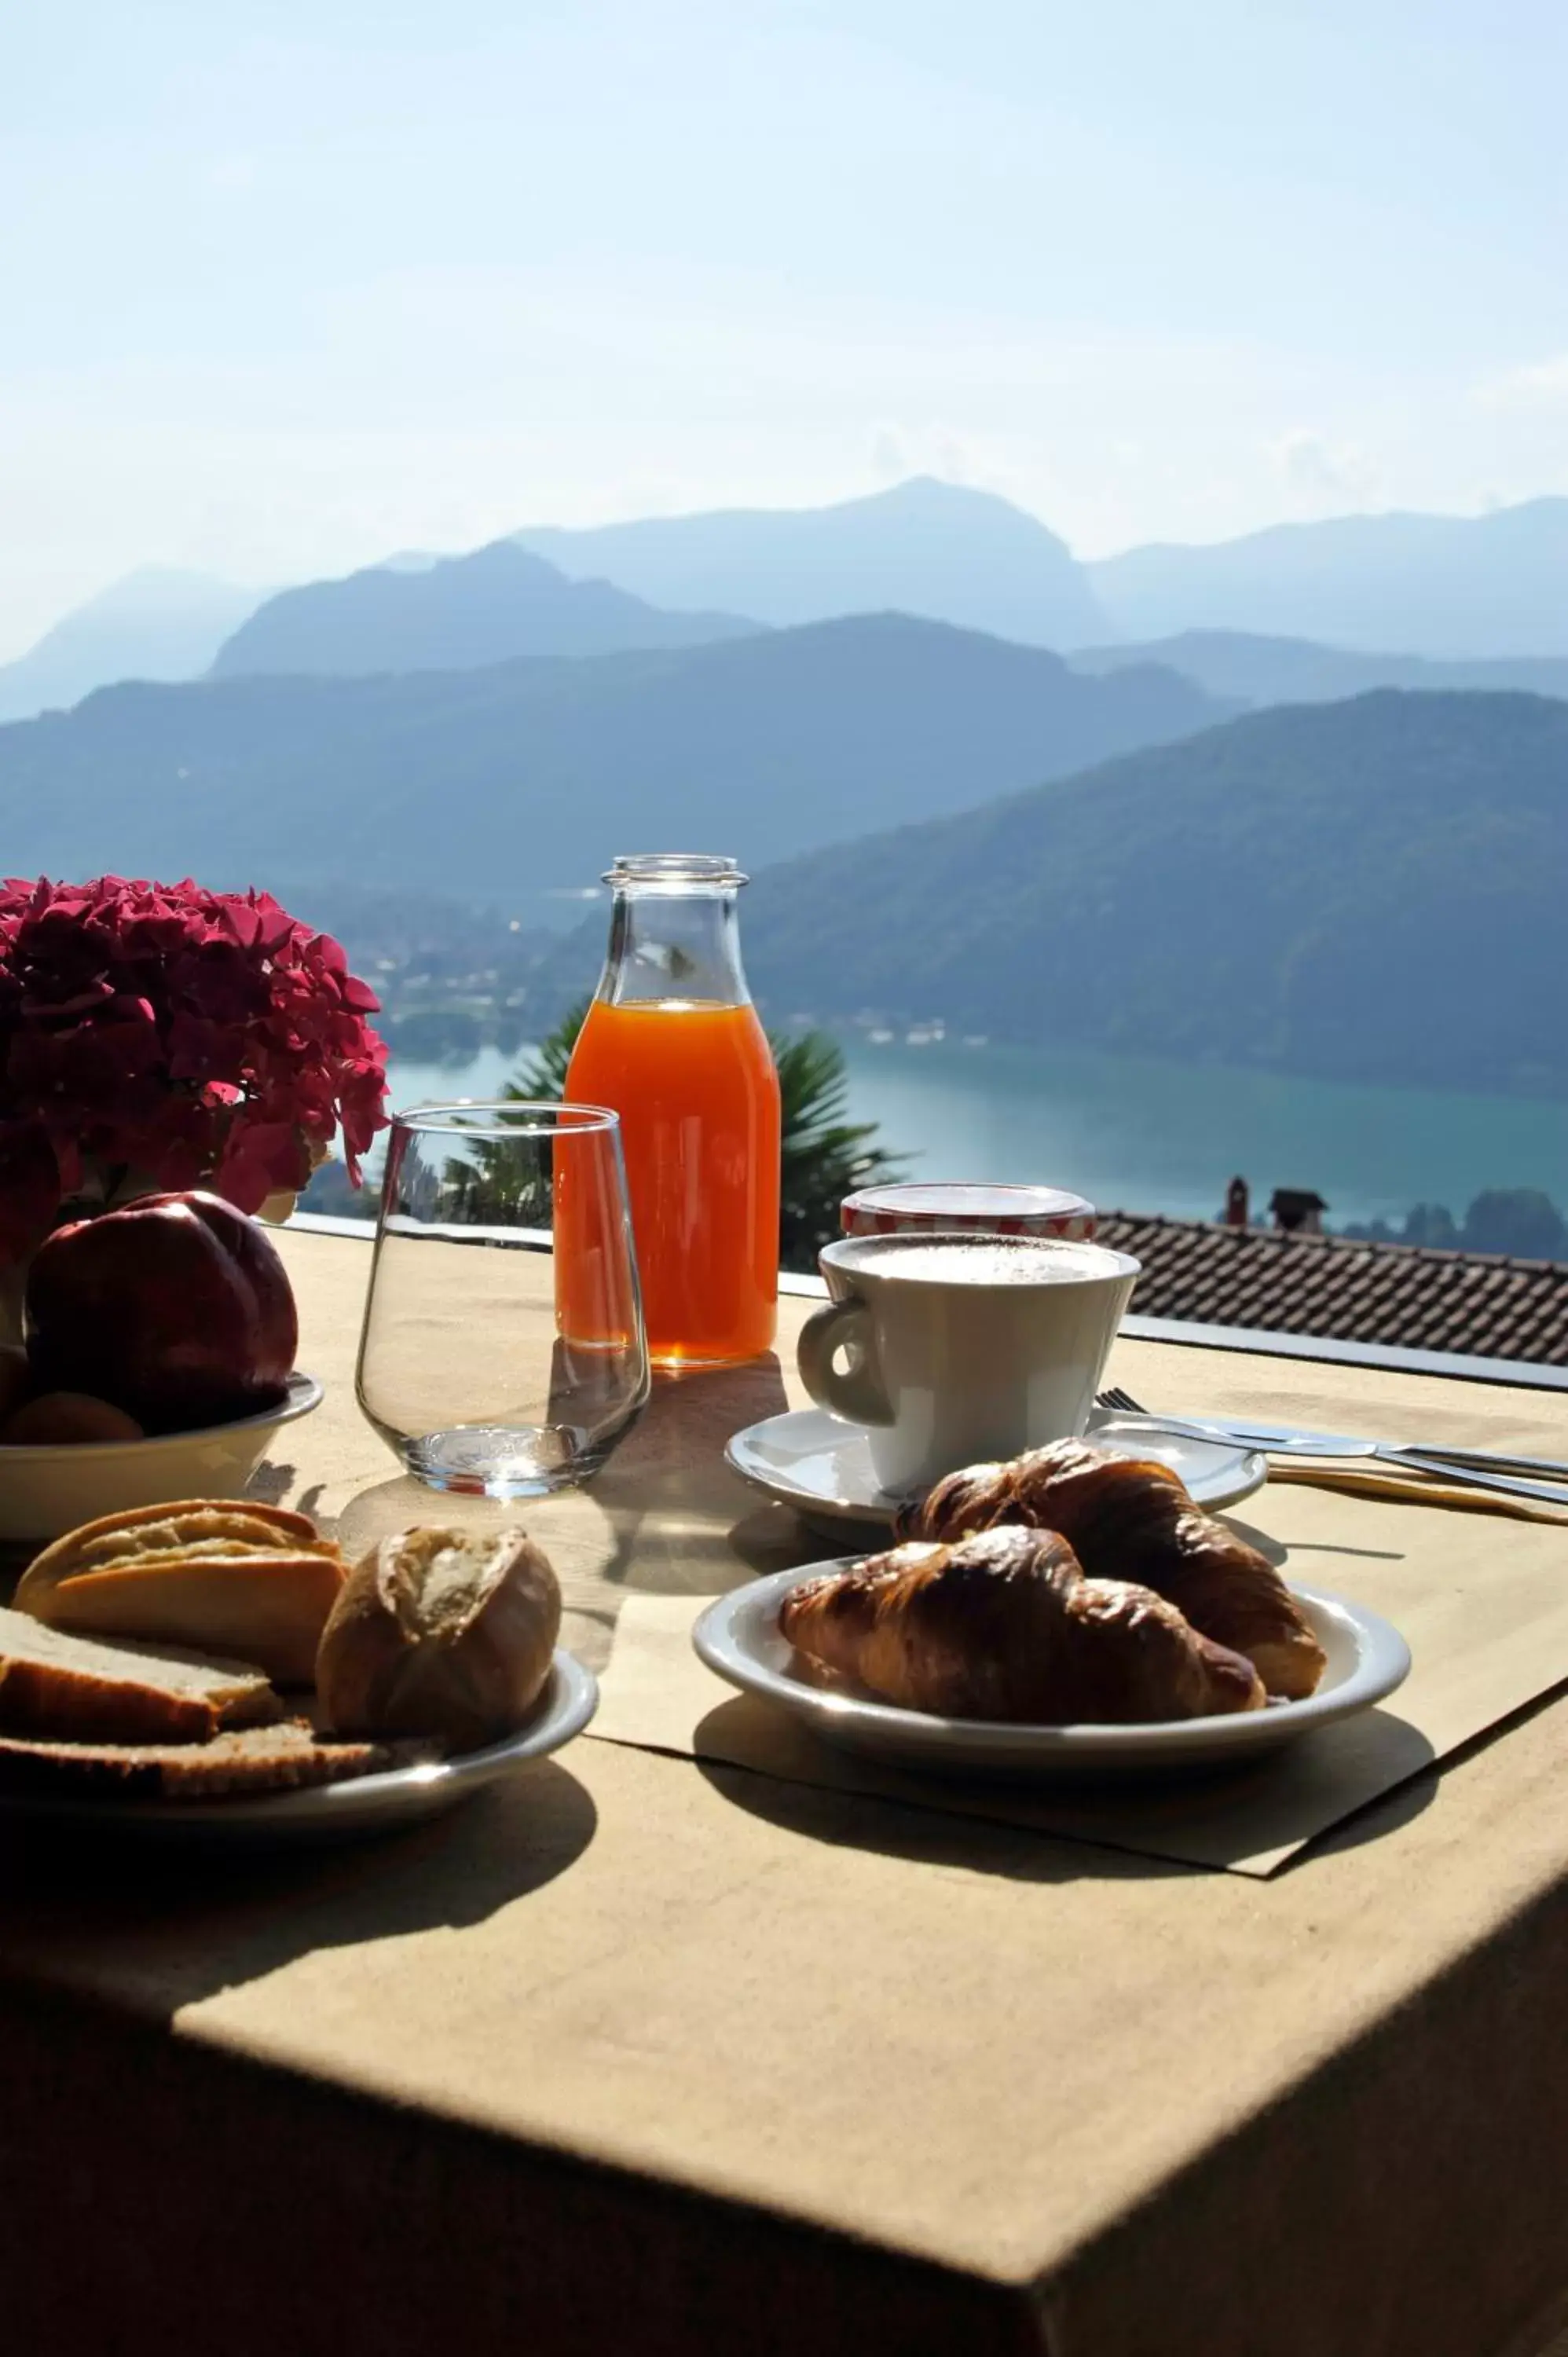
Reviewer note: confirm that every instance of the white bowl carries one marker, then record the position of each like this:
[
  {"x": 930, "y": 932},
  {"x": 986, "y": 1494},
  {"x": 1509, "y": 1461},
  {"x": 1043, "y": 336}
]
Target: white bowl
[{"x": 44, "y": 1492}]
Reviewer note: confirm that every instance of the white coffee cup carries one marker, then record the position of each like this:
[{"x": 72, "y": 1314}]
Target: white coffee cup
[{"x": 961, "y": 1347}]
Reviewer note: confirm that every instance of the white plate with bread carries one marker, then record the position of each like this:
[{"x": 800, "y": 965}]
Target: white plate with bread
[
  {"x": 378, "y": 1799},
  {"x": 1068, "y": 1613},
  {"x": 216, "y": 1668}
]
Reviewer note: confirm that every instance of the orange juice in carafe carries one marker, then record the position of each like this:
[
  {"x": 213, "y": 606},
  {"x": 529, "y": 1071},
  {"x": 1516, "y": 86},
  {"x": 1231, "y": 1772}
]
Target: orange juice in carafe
[{"x": 673, "y": 1044}]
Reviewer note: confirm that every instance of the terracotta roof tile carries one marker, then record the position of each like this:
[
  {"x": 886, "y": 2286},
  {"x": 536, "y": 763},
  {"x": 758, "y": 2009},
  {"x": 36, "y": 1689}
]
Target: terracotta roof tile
[{"x": 1404, "y": 1294}]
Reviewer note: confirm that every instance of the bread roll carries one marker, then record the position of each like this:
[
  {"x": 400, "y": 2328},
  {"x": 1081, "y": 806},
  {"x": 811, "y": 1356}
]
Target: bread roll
[
  {"x": 441, "y": 1633},
  {"x": 233, "y": 1577}
]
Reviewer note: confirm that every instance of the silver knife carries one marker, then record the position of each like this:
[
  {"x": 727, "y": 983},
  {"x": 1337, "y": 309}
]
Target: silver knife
[
  {"x": 1281, "y": 1437},
  {"x": 1482, "y": 1468}
]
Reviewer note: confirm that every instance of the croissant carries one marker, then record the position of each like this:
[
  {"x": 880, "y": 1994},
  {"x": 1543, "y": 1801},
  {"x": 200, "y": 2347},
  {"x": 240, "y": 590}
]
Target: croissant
[
  {"x": 1128, "y": 1519},
  {"x": 1005, "y": 1626}
]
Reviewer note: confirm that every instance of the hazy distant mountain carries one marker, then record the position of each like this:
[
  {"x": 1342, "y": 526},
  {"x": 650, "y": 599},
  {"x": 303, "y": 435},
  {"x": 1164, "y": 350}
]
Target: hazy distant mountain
[
  {"x": 1246, "y": 670},
  {"x": 1449, "y": 585},
  {"x": 154, "y": 624},
  {"x": 924, "y": 547},
  {"x": 1368, "y": 891},
  {"x": 534, "y": 774},
  {"x": 456, "y": 613}
]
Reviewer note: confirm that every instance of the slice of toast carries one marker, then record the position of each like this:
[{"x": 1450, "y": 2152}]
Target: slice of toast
[
  {"x": 74, "y": 1689},
  {"x": 252, "y": 1759}
]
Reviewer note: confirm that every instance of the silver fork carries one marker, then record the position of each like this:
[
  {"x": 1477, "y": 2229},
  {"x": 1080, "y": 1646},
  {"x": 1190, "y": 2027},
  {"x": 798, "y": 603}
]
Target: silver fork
[
  {"x": 1122, "y": 1403},
  {"x": 1114, "y": 1396}
]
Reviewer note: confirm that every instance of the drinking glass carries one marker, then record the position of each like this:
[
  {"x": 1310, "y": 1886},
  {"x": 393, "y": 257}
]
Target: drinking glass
[{"x": 485, "y": 1367}]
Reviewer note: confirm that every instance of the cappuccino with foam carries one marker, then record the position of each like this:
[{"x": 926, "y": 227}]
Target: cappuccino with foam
[
  {"x": 976, "y": 1260},
  {"x": 953, "y": 1349}
]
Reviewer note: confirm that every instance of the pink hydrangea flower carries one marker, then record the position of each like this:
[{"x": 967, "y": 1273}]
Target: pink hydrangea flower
[{"x": 162, "y": 1036}]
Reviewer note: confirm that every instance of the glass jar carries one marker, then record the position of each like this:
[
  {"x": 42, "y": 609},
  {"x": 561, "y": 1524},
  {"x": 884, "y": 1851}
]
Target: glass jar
[
  {"x": 992, "y": 1209},
  {"x": 673, "y": 1044}
]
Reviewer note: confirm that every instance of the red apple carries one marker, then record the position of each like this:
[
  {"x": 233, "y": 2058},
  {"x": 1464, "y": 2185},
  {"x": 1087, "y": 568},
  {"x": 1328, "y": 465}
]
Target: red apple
[
  {"x": 177, "y": 1309},
  {"x": 16, "y": 1378}
]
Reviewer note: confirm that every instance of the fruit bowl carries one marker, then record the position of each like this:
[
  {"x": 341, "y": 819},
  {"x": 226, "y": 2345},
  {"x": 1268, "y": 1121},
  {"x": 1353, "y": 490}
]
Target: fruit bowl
[{"x": 47, "y": 1491}]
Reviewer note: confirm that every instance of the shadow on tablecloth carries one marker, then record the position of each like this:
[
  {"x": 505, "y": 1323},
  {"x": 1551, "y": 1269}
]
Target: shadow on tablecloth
[
  {"x": 661, "y": 1517},
  {"x": 191, "y": 1921},
  {"x": 1248, "y": 1819}
]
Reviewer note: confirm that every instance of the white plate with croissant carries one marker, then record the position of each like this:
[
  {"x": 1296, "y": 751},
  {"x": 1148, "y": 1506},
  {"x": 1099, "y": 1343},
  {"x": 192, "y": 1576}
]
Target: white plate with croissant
[{"x": 1069, "y": 1612}]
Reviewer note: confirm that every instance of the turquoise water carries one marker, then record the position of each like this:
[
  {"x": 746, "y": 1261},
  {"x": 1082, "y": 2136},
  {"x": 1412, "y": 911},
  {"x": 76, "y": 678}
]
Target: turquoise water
[
  {"x": 486, "y": 1076},
  {"x": 1145, "y": 1135},
  {"x": 1140, "y": 1135}
]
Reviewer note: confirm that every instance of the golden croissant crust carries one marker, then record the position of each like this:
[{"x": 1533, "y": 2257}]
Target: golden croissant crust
[
  {"x": 1128, "y": 1519},
  {"x": 1005, "y": 1626}
]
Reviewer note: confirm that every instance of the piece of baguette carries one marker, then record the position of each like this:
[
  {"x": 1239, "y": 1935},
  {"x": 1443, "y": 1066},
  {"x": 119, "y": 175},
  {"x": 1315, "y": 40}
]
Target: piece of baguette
[
  {"x": 73, "y": 1688},
  {"x": 258, "y": 1759},
  {"x": 248, "y": 1580},
  {"x": 440, "y": 1632},
  {"x": 175, "y": 1526}
]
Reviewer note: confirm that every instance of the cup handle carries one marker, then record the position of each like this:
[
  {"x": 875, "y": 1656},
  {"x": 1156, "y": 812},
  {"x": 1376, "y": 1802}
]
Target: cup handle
[{"x": 856, "y": 1394}]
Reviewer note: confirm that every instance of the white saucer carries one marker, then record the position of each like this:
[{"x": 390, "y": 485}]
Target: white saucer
[
  {"x": 822, "y": 1465},
  {"x": 738, "y": 1638},
  {"x": 360, "y": 1804}
]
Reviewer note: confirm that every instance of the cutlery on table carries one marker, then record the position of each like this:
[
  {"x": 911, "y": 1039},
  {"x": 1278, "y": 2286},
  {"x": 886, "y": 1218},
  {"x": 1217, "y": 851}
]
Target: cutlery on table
[
  {"x": 1282, "y": 1438},
  {"x": 1413, "y": 1485},
  {"x": 1473, "y": 1469}
]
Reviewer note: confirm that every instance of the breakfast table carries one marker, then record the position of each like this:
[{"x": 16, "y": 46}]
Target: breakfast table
[{"x": 676, "y": 2042}]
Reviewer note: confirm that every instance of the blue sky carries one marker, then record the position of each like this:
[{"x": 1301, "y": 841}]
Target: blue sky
[{"x": 287, "y": 286}]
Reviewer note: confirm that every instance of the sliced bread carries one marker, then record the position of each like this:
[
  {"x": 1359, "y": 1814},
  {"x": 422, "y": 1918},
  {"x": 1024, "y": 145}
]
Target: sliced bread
[
  {"x": 80, "y": 1690},
  {"x": 255, "y": 1759}
]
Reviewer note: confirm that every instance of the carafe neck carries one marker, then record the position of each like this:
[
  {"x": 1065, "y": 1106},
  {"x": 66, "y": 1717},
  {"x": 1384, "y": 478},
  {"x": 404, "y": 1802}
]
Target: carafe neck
[{"x": 674, "y": 932}]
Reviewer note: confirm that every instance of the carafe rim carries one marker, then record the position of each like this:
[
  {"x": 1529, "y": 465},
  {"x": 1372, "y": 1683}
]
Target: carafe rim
[{"x": 676, "y": 871}]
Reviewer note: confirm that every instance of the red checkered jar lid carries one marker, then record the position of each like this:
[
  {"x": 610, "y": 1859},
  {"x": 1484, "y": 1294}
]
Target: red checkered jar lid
[{"x": 956, "y": 1204}]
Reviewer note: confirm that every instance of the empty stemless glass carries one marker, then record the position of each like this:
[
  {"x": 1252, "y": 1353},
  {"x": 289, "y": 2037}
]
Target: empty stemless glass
[{"x": 467, "y": 1369}]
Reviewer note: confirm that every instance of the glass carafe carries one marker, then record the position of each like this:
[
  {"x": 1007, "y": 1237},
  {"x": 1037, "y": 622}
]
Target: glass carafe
[{"x": 673, "y": 1042}]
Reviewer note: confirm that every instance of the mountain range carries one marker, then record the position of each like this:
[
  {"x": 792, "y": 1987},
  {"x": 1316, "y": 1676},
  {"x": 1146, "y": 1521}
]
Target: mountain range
[
  {"x": 1367, "y": 891},
  {"x": 524, "y": 777},
  {"x": 938, "y": 550},
  {"x": 1299, "y": 610},
  {"x": 456, "y": 613},
  {"x": 1444, "y": 587},
  {"x": 947, "y": 825},
  {"x": 1243, "y": 669},
  {"x": 1439, "y": 585},
  {"x": 154, "y": 624}
]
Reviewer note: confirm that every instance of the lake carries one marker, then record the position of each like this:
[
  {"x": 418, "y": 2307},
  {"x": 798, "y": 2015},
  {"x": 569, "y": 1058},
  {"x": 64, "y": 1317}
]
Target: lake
[{"x": 1141, "y": 1134}]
